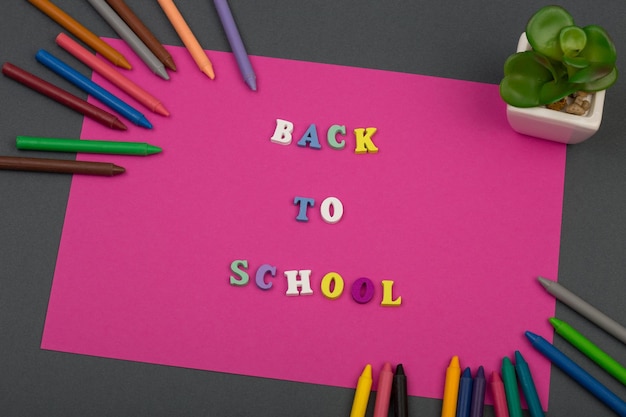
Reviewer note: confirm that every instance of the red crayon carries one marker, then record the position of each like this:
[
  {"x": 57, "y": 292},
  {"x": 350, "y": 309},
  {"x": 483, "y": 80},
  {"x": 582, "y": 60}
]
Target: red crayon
[
  {"x": 62, "y": 96},
  {"x": 499, "y": 396}
]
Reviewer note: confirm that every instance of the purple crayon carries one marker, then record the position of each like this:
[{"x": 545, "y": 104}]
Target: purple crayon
[
  {"x": 234, "y": 38},
  {"x": 478, "y": 394}
]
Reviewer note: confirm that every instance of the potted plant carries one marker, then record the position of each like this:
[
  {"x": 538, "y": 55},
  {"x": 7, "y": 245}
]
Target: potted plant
[{"x": 558, "y": 64}]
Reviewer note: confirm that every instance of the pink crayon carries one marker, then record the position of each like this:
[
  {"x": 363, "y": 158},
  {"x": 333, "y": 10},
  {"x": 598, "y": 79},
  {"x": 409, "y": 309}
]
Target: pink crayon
[
  {"x": 111, "y": 74},
  {"x": 383, "y": 391}
]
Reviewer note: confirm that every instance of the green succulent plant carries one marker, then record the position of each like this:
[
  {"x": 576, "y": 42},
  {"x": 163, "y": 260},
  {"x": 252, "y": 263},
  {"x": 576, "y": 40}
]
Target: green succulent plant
[{"x": 564, "y": 59}]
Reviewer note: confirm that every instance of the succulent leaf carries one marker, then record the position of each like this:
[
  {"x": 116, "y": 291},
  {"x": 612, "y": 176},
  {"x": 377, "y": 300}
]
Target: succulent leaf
[
  {"x": 572, "y": 40},
  {"x": 600, "y": 48},
  {"x": 554, "y": 91},
  {"x": 601, "y": 84},
  {"x": 543, "y": 30},
  {"x": 524, "y": 78}
]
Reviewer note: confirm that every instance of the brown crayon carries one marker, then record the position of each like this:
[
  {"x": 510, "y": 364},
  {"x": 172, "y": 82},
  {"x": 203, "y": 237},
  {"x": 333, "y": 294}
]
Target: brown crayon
[
  {"x": 62, "y": 96},
  {"x": 63, "y": 166},
  {"x": 142, "y": 32}
]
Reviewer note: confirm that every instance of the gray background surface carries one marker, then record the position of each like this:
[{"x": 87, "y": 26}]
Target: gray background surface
[{"x": 466, "y": 40}]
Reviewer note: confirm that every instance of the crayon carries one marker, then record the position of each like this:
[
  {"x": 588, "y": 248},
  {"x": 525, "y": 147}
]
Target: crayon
[
  {"x": 588, "y": 348},
  {"x": 81, "y": 32},
  {"x": 63, "y": 166},
  {"x": 399, "y": 390},
  {"x": 478, "y": 394},
  {"x": 577, "y": 373},
  {"x": 383, "y": 391},
  {"x": 236, "y": 44},
  {"x": 451, "y": 388},
  {"x": 142, "y": 31},
  {"x": 464, "y": 397},
  {"x": 62, "y": 96},
  {"x": 111, "y": 74},
  {"x": 121, "y": 28},
  {"x": 362, "y": 393},
  {"x": 85, "y": 84},
  {"x": 510, "y": 388},
  {"x": 584, "y": 308},
  {"x": 527, "y": 383},
  {"x": 499, "y": 396},
  {"x": 186, "y": 35},
  {"x": 85, "y": 146}
]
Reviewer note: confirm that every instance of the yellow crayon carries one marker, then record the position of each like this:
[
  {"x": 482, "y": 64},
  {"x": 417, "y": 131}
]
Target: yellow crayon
[
  {"x": 451, "y": 389},
  {"x": 362, "y": 394}
]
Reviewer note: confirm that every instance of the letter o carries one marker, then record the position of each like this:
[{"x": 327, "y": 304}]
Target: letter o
[
  {"x": 337, "y": 206},
  {"x": 330, "y": 278},
  {"x": 363, "y": 290}
]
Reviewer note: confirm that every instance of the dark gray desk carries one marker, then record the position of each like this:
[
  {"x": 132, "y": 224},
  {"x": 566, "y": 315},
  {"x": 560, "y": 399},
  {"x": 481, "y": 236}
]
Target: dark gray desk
[{"x": 465, "y": 40}]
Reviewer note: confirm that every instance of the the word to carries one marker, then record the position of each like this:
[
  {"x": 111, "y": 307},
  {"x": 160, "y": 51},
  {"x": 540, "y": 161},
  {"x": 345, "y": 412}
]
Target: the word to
[
  {"x": 331, "y": 209},
  {"x": 283, "y": 134},
  {"x": 299, "y": 283}
]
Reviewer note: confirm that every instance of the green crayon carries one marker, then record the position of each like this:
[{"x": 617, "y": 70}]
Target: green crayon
[
  {"x": 511, "y": 389},
  {"x": 85, "y": 146},
  {"x": 592, "y": 351}
]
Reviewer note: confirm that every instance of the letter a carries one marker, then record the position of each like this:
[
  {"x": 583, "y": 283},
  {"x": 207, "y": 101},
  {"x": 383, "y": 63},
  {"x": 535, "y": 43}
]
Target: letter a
[
  {"x": 364, "y": 142},
  {"x": 282, "y": 133},
  {"x": 310, "y": 138}
]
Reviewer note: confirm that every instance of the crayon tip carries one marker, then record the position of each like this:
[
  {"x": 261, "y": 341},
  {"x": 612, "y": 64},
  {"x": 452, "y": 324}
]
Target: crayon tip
[
  {"x": 143, "y": 122},
  {"x": 481, "y": 372},
  {"x": 160, "y": 109},
  {"x": 117, "y": 124},
  {"x": 519, "y": 359},
  {"x": 208, "y": 70},
  {"x": 467, "y": 373},
  {"x": 530, "y": 336},
  {"x": 454, "y": 362},
  {"x": 506, "y": 362},
  {"x": 162, "y": 72},
  {"x": 251, "y": 81},
  {"x": 123, "y": 63},
  {"x": 386, "y": 367},
  {"x": 169, "y": 63},
  {"x": 399, "y": 369},
  {"x": 556, "y": 323},
  {"x": 117, "y": 170},
  {"x": 151, "y": 150},
  {"x": 545, "y": 282}
]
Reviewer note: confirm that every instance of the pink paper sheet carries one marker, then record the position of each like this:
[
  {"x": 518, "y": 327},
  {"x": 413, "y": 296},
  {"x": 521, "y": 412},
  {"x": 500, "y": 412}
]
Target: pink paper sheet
[{"x": 457, "y": 209}]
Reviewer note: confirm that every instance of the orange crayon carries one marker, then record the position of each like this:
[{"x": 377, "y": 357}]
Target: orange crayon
[
  {"x": 186, "y": 35},
  {"x": 81, "y": 32}
]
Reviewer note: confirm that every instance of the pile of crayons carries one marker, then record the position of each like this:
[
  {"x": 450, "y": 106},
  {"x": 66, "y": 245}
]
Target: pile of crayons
[
  {"x": 464, "y": 394},
  {"x": 391, "y": 390},
  {"x": 145, "y": 45}
]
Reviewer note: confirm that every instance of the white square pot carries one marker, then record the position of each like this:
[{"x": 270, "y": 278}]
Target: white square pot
[{"x": 555, "y": 125}]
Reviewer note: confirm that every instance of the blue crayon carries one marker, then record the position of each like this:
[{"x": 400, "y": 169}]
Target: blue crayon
[
  {"x": 85, "y": 84},
  {"x": 464, "y": 399},
  {"x": 577, "y": 373},
  {"x": 528, "y": 386}
]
